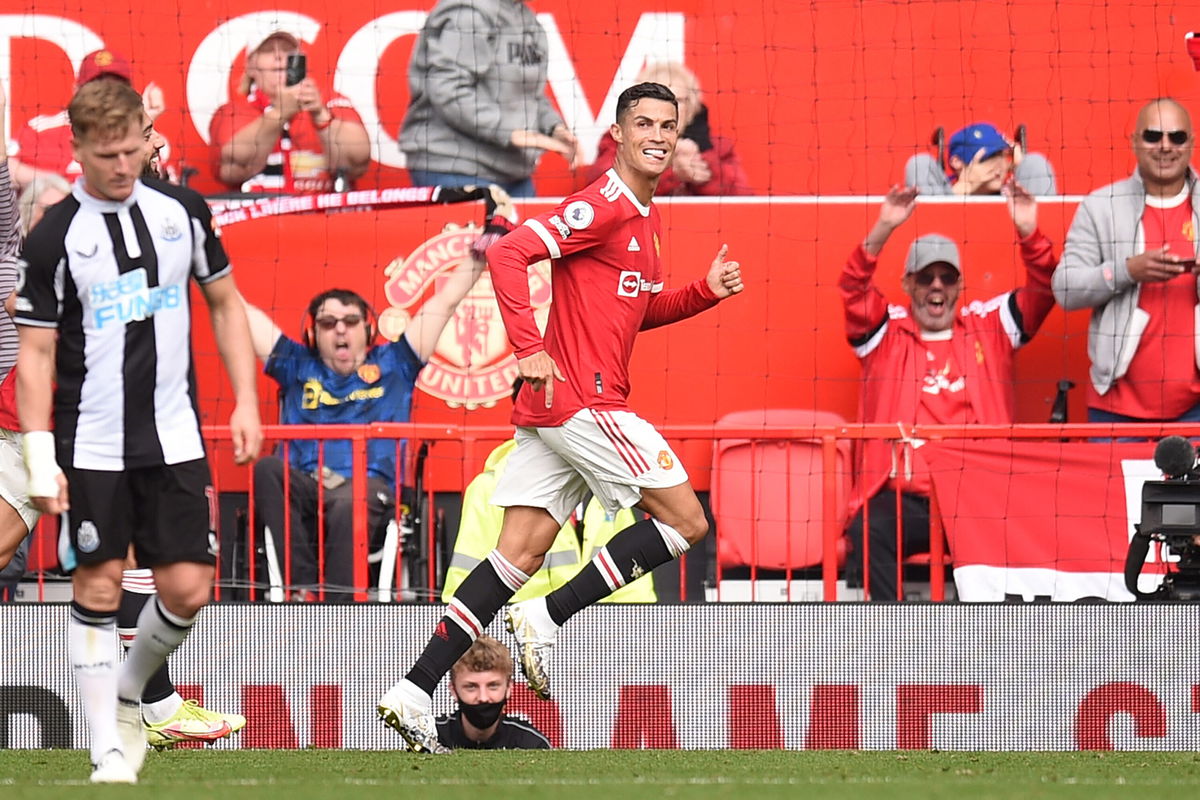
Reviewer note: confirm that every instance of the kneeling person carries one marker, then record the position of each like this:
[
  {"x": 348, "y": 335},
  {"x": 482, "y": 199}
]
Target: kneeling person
[{"x": 481, "y": 682}]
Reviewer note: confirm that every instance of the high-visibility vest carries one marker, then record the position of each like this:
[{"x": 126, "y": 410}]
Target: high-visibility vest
[{"x": 479, "y": 530}]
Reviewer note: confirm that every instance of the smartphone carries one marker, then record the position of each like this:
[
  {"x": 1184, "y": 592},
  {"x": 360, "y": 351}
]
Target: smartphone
[{"x": 297, "y": 68}]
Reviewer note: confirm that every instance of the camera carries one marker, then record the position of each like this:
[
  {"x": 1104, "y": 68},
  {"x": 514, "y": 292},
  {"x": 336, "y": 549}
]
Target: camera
[
  {"x": 1170, "y": 515},
  {"x": 297, "y": 68}
]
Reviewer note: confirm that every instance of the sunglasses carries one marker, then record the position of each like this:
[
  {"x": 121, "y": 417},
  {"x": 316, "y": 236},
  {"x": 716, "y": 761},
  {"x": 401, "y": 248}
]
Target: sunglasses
[
  {"x": 1150, "y": 136},
  {"x": 329, "y": 323},
  {"x": 927, "y": 278}
]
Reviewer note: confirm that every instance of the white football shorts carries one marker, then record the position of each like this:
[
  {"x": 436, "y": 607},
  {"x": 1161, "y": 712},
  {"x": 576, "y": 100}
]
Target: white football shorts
[
  {"x": 616, "y": 454},
  {"x": 14, "y": 482}
]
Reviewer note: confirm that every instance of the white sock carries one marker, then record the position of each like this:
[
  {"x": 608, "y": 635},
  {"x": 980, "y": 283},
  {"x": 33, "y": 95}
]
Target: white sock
[
  {"x": 159, "y": 633},
  {"x": 92, "y": 643},
  {"x": 162, "y": 710}
]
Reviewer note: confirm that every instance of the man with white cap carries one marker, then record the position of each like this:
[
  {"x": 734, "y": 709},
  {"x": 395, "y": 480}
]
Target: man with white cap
[
  {"x": 929, "y": 363},
  {"x": 279, "y": 137}
]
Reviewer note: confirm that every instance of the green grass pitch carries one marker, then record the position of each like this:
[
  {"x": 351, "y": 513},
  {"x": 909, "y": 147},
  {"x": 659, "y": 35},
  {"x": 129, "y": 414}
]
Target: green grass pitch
[{"x": 612, "y": 775}]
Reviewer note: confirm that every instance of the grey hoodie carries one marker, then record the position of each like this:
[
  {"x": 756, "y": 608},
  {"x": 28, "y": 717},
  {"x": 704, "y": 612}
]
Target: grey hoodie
[{"x": 478, "y": 72}]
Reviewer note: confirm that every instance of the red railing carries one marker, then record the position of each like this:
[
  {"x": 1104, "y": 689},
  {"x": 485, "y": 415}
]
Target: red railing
[{"x": 469, "y": 439}]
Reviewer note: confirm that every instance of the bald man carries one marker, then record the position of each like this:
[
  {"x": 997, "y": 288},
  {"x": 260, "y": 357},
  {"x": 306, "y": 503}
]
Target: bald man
[{"x": 1130, "y": 256}]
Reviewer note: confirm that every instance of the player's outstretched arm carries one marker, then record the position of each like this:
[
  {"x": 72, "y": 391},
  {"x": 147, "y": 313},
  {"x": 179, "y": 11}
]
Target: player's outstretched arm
[{"x": 232, "y": 331}]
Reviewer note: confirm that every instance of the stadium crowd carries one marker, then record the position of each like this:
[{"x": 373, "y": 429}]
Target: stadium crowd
[{"x": 581, "y": 460}]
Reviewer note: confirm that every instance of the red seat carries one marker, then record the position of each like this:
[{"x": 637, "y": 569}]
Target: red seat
[{"x": 767, "y": 494}]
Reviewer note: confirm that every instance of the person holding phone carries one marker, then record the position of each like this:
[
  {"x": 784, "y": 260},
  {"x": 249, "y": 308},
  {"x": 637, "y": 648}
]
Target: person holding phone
[
  {"x": 281, "y": 134},
  {"x": 1130, "y": 257}
]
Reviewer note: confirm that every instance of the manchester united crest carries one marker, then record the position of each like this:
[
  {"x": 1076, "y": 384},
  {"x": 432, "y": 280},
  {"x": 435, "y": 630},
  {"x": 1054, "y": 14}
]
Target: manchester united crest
[{"x": 473, "y": 365}]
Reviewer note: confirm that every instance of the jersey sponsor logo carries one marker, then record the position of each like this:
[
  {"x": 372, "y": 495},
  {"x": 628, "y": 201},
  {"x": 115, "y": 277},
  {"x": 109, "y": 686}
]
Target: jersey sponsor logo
[
  {"x": 564, "y": 232},
  {"x": 87, "y": 538},
  {"x": 579, "y": 214},
  {"x": 315, "y": 394},
  {"x": 631, "y": 284},
  {"x": 665, "y": 461},
  {"x": 369, "y": 372},
  {"x": 130, "y": 298},
  {"x": 472, "y": 365},
  {"x": 634, "y": 247}
]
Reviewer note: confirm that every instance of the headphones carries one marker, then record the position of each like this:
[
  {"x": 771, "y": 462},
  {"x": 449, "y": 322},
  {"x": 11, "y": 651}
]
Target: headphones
[{"x": 308, "y": 328}]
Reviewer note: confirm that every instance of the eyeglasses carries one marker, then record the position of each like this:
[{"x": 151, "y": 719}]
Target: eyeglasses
[
  {"x": 927, "y": 278},
  {"x": 329, "y": 323},
  {"x": 1151, "y": 136}
]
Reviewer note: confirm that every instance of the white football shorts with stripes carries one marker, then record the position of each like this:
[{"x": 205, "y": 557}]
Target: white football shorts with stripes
[
  {"x": 14, "y": 483},
  {"x": 616, "y": 454}
]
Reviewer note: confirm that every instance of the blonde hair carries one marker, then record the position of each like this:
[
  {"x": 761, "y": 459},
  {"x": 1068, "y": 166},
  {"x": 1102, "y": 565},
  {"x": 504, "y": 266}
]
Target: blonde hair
[
  {"x": 669, "y": 73},
  {"x": 485, "y": 655},
  {"x": 42, "y": 183},
  {"x": 104, "y": 108}
]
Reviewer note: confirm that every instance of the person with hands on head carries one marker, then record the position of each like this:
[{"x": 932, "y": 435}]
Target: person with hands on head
[
  {"x": 110, "y": 323},
  {"x": 1130, "y": 257},
  {"x": 980, "y": 160},
  {"x": 273, "y": 137},
  {"x": 575, "y": 430},
  {"x": 929, "y": 362},
  {"x": 478, "y": 111}
]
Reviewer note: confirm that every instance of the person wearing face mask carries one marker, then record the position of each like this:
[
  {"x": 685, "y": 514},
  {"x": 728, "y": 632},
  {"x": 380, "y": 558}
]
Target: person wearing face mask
[
  {"x": 929, "y": 363},
  {"x": 481, "y": 682}
]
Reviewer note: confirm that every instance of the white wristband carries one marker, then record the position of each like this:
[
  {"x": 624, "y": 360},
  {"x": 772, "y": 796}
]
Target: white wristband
[{"x": 40, "y": 461}]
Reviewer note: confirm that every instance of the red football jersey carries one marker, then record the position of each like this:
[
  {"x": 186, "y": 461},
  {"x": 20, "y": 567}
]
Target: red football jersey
[{"x": 607, "y": 283}]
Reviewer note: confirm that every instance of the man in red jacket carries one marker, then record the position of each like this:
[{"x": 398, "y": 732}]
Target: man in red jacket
[{"x": 929, "y": 363}]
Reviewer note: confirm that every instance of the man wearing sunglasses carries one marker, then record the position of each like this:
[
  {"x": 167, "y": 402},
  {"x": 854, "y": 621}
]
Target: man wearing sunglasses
[
  {"x": 929, "y": 363},
  {"x": 337, "y": 374},
  {"x": 1130, "y": 256}
]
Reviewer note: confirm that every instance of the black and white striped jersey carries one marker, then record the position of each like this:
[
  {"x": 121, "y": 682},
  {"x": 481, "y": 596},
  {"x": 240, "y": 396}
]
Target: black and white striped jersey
[{"x": 112, "y": 277}]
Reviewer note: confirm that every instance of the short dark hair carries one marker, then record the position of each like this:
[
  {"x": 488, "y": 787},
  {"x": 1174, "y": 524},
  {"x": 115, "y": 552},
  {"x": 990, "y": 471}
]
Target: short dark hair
[
  {"x": 343, "y": 296},
  {"x": 653, "y": 91}
]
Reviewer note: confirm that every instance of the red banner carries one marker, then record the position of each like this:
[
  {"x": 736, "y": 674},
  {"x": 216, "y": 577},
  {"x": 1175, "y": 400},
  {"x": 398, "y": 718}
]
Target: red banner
[{"x": 1042, "y": 519}]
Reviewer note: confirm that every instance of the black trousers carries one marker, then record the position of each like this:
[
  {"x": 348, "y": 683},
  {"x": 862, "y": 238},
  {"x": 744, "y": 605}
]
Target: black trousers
[
  {"x": 914, "y": 511},
  {"x": 339, "y": 524}
]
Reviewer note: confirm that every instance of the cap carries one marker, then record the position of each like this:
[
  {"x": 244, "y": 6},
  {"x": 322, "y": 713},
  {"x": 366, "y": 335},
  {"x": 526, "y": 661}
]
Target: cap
[
  {"x": 260, "y": 36},
  {"x": 932, "y": 248},
  {"x": 967, "y": 142},
  {"x": 104, "y": 62}
]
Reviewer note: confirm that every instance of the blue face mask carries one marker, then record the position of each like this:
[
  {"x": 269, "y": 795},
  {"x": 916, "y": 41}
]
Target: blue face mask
[{"x": 482, "y": 715}]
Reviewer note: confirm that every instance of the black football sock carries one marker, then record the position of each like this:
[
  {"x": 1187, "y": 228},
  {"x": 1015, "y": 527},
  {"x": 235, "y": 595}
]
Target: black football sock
[
  {"x": 471, "y": 610},
  {"x": 630, "y": 554},
  {"x": 133, "y": 600}
]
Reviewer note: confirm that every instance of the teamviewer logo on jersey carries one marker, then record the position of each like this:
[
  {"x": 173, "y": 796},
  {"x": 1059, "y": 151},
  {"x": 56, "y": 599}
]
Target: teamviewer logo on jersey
[{"x": 631, "y": 284}]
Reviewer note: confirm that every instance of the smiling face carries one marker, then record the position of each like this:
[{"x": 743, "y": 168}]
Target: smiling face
[
  {"x": 1163, "y": 165},
  {"x": 933, "y": 293},
  {"x": 646, "y": 136},
  {"x": 341, "y": 335}
]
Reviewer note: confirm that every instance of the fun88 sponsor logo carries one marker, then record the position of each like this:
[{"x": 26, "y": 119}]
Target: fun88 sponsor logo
[{"x": 130, "y": 299}]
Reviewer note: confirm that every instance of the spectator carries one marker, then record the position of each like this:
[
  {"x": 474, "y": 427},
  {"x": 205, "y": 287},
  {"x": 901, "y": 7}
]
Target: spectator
[
  {"x": 980, "y": 160},
  {"x": 43, "y": 191},
  {"x": 43, "y": 145},
  {"x": 704, "y": 163},
  {"x": 481, "y": 682},
  {"x": 273, "y": 137},
  {"x": 930, "y": 363},
  {"x": 478, "y": 111},
  {"x": 1130, "y": 256},
  {"x": 337, "y": 374},
  {"x": 576, "y": 544}
]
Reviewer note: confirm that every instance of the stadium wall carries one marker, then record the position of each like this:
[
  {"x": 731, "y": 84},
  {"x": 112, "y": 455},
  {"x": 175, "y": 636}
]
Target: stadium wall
[{"x": 968, "y": 677}]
